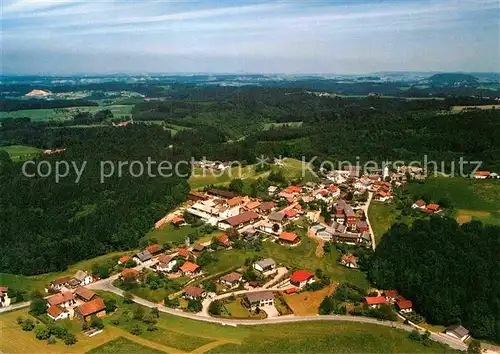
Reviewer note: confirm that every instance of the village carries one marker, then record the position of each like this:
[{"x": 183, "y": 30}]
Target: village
[{"x": 261, "y": 288}]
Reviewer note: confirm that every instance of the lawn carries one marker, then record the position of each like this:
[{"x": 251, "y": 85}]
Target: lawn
[
  {"x": 291, "y": 168},
  {"x": 382, "y": 216},
  {"x": 62, "y": 114},
  {"x": 235, "y": 309},
  {"x": 473, "y": 199},
  {"x": 177, "y": 235},
  {"x": 38, "y": 282},
  {"x": 123, "y": 345},
  {"x": 21, "y": 152},
  {"x": 307, "y": 302}
]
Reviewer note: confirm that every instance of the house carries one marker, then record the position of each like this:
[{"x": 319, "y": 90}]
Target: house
[
  {"x": 221, "y": 193},
  {"x": 362, "y": 226},
  {"x": 142, "y": 256},
  {"x": 271, "y": 190},
  {"x": 458, "y": 331},
  {"x": 153, "y": 249},
  {"x": 189, "y": 268},
  {"x": 404, "y": 305},
  {"x": 419, "y": 204},
  {"x": 85, "y": 294},
  {"x": 57, "y": 312},
  {"x": 266, "y": 207},
  {"x": 193, "y": 293},
  {"x": 236, "y": 201},
  {"x": 349, "y": 261},
  {"x": 317, "y": 228},
  {"x": 184, "y": 253},
  {"x": 276, "y": 217},
  {"x": 347, "y": 238},
  {"x": 59, "y": 283},
  {"x": 391, "y": 296},
  {"x": 232, "y": 279},
  {"x": 301, "y": 278},
  {"x": 199, "y": 247},
  {"x": 291, "y": 214},
  {"x": 252, "y": 205},
  {"x": 433, "y": 208},
  {"x": 264, "y": 265},
  {"x": 259, "y": 299},
  {"x": 65, "y": 300},
  {"x": 196, "y": 196},
  {"x": 83, "y": 278},
  {"x": 269, "y": 227},
  {"x": 166, "y": 263},
  {"x": 481, "y": 174},
  {"x": 224, "y": 240},
  {"x": 240, "y": 220},
  {"x": 129, "y": 274},
  {"x": 325, "y": 235},
  {"x": 375, "y": 301},
  {"x": 382, "y": 196},
  {"x": 95, "y": 307},
  {"x": 289, "y": 238},
  {"x": 4, "y": 297},
  {"x": 177, "y": 221},
  {"x": 124, "y": 259}
]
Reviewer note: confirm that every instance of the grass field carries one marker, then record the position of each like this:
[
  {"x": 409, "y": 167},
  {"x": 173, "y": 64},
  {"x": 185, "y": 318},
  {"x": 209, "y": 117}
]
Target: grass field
[
  {"x": 473, "y": 199},
  {"x": 21, "y": 152},
  {"x": 382, "y": 216},
  {"x": 62, "y": 114},
  {"x": 291, "y": 169},
  {"x": 307, "y": 303},
  {"x": 38, "y": 282},
  {"x": 169, "y": 233},
  {"x": 123, "y": 345},
  {"x": 177, "y": 334},
  {"x": 236, "y": 309}
]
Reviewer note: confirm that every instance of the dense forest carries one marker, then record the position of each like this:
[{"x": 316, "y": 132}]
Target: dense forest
[
  {"x": 45, "y": 226},
  {"x": 451, "y": 272}
]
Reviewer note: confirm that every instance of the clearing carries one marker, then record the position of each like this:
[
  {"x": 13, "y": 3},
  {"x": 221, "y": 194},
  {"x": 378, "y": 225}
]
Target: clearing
[
  {"x": 61, "y": 114},
  {"x": 21, "y": 152},
  {"x": 456, "y": 109},
  {"x": 382, "y": 216},
  {"x": 177, "y": 235}
]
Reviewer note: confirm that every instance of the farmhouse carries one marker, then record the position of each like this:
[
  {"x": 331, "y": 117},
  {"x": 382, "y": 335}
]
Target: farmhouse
[
  {"x": 4, "y": 298},
  {"x": 404, "y": 305},
  {"x": 259, "y": 299},
  {"x": 65, "y": 299},
  {"x": 184, "y": 253},
  {"x": 264, "y": 265},
  {"x": 142, "y": 256},
  {"x": 375, "y": 301},
  {"x": 95, "y": 307},
  {"x": 232, "y": 279},
  {"x": 276, "y": 217},
  {"x": 124, "y": 259},
  {"x": 166, "y": 263},
  {"x": 419, "y": 204},
  {"x": 59, "y": 283},
  {"x": 193, "y": 293},
  {"x": 129, "y": 274},
  {"x": 301, "y": 278},
  {"x": 240, "y": 220},
  {"x": 189, "y": 268},
  {"x": 458, "y": 332},
  {"x": 85, "y": 294}
]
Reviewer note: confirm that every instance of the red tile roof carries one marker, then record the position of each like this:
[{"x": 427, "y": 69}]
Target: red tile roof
[
  {"x": 404, "y": 304},
  {"x": 224, "y": 239},
  {"x": 266, "y": 206},
  {"x": 192, "y": 291},
  {"x": 288, "y": 236},
  {"x": 420, "y": 203},
  {"x": 184, "y": 252},
  {"x": 433, "y": 207},
  {"x": 91, "y": 307},
  {"x": 124, "y": 259},
  {"x": 177, "y": 220},
  {"x": 242, "y": 218},
  {"x": 391, "y": 293},
  {"x": 301, "y": 275},
  {"x": 294, "y": 189},
  {"x": 375, "y": 300},
  {"x": 61, "y": 280},
  {"x": 60, "y": 298},
  {"x": 155, "y": 248},
  {"x": 482, "y": 173},
  {"x": 234, "y": 201},
  {"x": 129, "y": 273},
  {"x": 55, "y": 310},
  {"x": 253, "y": 205},
  {"x": 189, "y": 267},
  {"x": 290, "y": 213},
  {"x": 291, "y": 290},
  {"x": 85, "y": 293}
]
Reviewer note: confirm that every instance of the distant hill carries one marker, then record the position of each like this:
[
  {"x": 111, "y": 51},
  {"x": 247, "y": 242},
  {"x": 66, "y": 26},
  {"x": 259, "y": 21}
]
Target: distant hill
[{"x": 452, "y": 79}]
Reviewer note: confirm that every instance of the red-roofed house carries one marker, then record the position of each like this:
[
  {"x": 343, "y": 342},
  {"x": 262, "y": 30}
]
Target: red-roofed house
[
  {"x": 375, "y": 301},
  {"x": 56, "y": 312},
  {"x": 404, "y": 305},
  {"x": 65, "y": 299},
  {"x": 252, "y": 205},
  {"x": 481, "y": 174},
  {"x": 235, "y": 202},
  {"x": 129, "y": 274},
  {"x": 289, "y": 238},
  {"x": 177, "y": 220},
  {"x": 189, "y": 268},
  {"x": 193, "y": 293},
  {"x": 95, "y": 307},
  {"x": 294, "y": 189},
  {"x": 391, "y": 296},
  {"x": 433, "y": 207},
  {"x": 184, "y": 253},
  {"x": 224, "y": 239},
  {"x": 301, "y": 278},
  {"x": 123, "y": 259},
  {"x": 154, "y": 249},
  {"x": 419, "y": 204},
  {"x": 291, "y": 214}
]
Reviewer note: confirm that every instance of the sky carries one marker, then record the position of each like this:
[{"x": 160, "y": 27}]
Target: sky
[{"x": 300, "y": 36}]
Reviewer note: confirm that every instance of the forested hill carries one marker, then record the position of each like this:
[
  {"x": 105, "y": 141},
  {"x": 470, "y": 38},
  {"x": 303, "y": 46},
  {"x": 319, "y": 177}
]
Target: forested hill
[
  {"x": 45, "y": 226},
  {"x": 451, "y": 272}
]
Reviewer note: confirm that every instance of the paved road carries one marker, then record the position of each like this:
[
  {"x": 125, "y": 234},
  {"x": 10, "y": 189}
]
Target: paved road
[
  {"x": 18, "y": 306},
  {"x": 107, "y": 285},
  {"x": 365, "y": 209}
]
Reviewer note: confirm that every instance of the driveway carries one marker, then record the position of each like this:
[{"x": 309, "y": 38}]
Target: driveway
[{"x": 271, "y": 311}]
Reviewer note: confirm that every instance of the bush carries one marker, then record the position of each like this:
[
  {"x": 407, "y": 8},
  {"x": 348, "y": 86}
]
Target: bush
[
  {"x": 152, "y": 328},
  {"x": 19, "y": 320},
  {"x": 110, "y": 305},
  {"x": 58, "y": 330},
  {"x": 128, "y": 298},
  {"x": 27, "y": 325},
  {"x": 194, "y": 306},
  {"x": 115, "y": 322},
  {"x": 69, "y": 339},
  {"x": 42, "y": 332},
  {"x": 136, "y": 330},
  {"x": 38, "y": 306},
  {"x": 51, "y": 340},
  {"x": 96, "y": 322},
  {"x": 215, "y": 307}
]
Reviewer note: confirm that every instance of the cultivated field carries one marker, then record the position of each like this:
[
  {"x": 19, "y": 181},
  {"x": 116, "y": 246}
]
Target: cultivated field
[
  {"x": 123, "y": 345},
  {"x": 62, "y": 114},
  {"x": 457, "y": 109},
  {"x": 307, "y": 303},
  {"x": 21, "y": 152}
]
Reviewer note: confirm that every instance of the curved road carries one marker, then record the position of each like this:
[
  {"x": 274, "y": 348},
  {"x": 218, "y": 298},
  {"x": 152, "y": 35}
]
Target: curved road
[{"x": 106, "y": 285}]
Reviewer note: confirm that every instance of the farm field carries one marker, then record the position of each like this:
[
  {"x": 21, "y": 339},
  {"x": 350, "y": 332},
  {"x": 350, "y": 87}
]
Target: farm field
[
  {"x": 291, "y": 169},
  {"x": 473, "y": 199},
  {"x": 268, "y": 126},
  {"x": 180, "y": 335},
  {"x": 62, "y": 114},
  {"x": 21, "y": 152},
  {"x": 307, "y": 303},
  {"x": 457, "y": 109},
  {"x": 38, "y": 282}
]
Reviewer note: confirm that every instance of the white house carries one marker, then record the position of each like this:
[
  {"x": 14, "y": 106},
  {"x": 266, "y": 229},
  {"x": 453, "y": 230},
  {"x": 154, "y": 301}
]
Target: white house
[
  {"x": 458, "y": 332},
  {"x": 272, "y": 190},
  {"x": 4, "y": 298},
  {"x": 58, "y": 313},
  {"x": 166, "y": 263},
  {"x": 264, "y": 265},
  {"x": 83, "y": 278},
  {"x": 259, "y": 299},
  {"x": 64, "y": 300}
]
